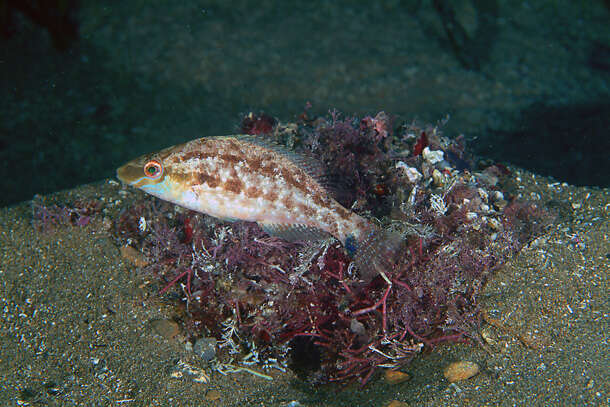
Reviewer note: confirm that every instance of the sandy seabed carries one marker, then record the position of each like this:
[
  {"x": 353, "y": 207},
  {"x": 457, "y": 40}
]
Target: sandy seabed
[{"x": 76, "y": 323}]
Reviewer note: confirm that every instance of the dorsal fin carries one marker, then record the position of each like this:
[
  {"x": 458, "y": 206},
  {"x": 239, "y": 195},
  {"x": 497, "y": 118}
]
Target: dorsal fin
[{"x": 313, "y": 167}]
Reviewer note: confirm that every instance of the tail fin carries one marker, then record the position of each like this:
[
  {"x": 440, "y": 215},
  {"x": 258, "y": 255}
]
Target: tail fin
[{"x": 377, "y": 253}]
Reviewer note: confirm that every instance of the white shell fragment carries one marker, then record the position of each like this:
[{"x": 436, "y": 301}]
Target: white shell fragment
[
  {"x": 433, "y": 157},
  {"x": 412, "y": 174}
]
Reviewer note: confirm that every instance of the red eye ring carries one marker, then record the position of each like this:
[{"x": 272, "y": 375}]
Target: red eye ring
[{"x": 153, "y": 169}]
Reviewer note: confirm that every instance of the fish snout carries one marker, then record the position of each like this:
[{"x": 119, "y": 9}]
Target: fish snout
[{"x": 128, "y": 173}]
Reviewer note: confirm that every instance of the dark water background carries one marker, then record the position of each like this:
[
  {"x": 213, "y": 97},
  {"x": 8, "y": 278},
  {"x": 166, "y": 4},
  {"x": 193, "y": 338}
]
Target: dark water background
[{"x": 85, "y": 87}]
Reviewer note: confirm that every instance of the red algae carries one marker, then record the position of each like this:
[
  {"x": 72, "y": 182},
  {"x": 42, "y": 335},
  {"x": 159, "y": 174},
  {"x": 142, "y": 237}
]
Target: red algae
[
  {"x": 304, "y": 306},
  {"x": 47, "y": 216},
  {"x": 260, "y": 123}
]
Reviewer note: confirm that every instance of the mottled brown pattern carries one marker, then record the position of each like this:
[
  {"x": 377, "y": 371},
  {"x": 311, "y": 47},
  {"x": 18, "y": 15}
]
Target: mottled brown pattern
[
  {"x": 234, "y": 185},
  {"x": 254, "y": 164},
  {"x": 256, "y": 159},
  {"x": 180, "y": 177},
  {"x": 343, "y": 213},
  {"x": 334, "y": 229},
  {"x": 267, "y": 169},
  {"x": 288, "y": 202},
  {"x": 204, "y": 178},
  {"x": 266, "y": 155},
  {"x": 233, "y": 145},
  {"x": 250, "y": 169},
  {"x": 309, "y": 212},
  {"x": 173, "y": 159},
  {"x": 362, "y": 225},
  {"x": 189, "y": 155},
  {"x": 328, "y": 219},
  {"x": 253, "y": 192},
  {"x": 271, "y": 196},
  {"x": 289, "y": 178},
  {"x": 317, "y": 199},
  {"x": 231, "y": 159}
]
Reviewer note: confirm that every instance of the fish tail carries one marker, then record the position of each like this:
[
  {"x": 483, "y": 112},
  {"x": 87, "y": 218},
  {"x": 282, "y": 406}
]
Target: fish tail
[{"x": 377, "y": 253}]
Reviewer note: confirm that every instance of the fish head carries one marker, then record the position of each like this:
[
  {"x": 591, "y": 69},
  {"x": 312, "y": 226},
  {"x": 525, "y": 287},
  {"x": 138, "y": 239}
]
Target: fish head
[{"x": 153, "y": 174}]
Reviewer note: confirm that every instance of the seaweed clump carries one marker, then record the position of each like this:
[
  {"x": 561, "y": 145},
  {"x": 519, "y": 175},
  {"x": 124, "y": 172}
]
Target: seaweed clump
[
  {"x": 49, "y": 216},
  {"x": 304, "y": 306}
]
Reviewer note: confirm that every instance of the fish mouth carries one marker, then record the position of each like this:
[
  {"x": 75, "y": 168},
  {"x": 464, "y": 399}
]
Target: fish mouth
[{"x": 128, "y": 173}]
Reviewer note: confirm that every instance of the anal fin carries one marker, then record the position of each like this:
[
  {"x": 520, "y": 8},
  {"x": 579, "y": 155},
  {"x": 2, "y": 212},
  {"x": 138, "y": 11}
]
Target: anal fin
[{"x": 293, "y": 232}]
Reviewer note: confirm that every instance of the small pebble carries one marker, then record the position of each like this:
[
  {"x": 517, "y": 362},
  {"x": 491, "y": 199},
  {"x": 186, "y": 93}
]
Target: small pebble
[
  {"x": 166, "y": 328},
  {"x": 488, "y": 336},
  {"x": 133, "y": 256},
  {"x": 357, "y": 327},
  {"x": 395, "y": 376},
  {"x": 462, "y": 370},
  {"x": 500, "y": 204},
  {"x": 494, "y": 224},
  {"x": 205, "y": 348},
  {"x": 213, "y": 395},
  {"x": 396, "y": 403}
]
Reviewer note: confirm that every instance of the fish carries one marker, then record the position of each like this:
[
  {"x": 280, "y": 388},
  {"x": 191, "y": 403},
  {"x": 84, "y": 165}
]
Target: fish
[{"x": 248, "y": 178}]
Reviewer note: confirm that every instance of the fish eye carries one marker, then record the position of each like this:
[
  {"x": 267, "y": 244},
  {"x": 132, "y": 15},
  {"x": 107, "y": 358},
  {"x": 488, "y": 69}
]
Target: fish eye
[{"x": 153, "y": 169}]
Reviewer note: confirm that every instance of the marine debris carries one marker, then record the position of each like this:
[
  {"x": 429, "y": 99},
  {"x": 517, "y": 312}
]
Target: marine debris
[{"x": 275, "y": 304}]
